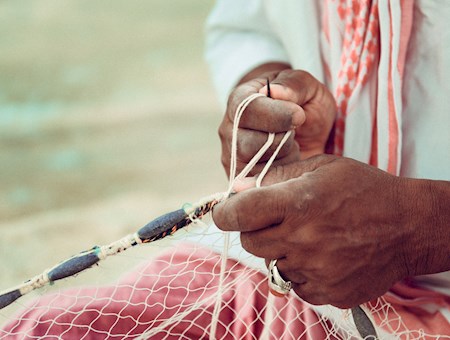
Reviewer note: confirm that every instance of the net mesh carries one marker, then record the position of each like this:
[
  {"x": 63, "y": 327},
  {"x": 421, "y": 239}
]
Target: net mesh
[{"x": 187, "y": 286}]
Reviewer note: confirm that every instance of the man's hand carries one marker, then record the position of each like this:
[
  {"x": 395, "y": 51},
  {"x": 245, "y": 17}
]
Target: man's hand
[
  {"x": 343, "y": 232},
  {"x": 298, "y": 101}
]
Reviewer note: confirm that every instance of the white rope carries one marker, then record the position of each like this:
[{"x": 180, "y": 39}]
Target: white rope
[
  {"x": 272, "y": 158},
  {"x": 255, "y": 159},
  {"x": 233, "y": 178},
  {"x": 118, "y": 246},
  {"x": 205, "y": 302},
  {"x": 239, "y": 111},
  {"x": 220, "y": 289},
  {"x": 269, "y": 316},
  {"x": 36, "y": 282}
]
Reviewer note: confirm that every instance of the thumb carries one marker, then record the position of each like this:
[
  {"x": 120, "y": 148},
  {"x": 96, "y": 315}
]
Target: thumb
[
  {"x": 295, "y": 86},
  {"x": 283, "y": 173}
]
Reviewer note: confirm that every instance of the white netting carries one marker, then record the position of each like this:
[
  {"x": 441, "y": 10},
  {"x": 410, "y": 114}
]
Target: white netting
[
  {"x": 173, "y": 295},
  {"x": 197, "y": 283}
]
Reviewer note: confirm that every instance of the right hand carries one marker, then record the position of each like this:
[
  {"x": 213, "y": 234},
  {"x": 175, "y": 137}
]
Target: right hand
[{"x": 298, "y": 102}]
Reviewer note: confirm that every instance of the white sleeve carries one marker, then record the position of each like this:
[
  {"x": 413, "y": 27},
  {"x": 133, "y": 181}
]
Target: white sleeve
[{"x": 238, "y": 39}]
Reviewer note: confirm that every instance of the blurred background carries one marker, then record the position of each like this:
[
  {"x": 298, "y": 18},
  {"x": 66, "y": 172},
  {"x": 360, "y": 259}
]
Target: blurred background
[{"x": 107, "y": 119}]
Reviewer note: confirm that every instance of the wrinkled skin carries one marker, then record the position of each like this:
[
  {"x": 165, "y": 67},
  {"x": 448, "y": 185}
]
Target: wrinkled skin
[
  {"x": 298, "y": 102},
  {"x": 343, "y": 231}
]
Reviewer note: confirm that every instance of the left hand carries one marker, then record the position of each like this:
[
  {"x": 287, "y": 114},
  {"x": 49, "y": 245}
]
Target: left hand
[
  {"x": 315, "y": 99},
  {"x": 336, "y": 226},
  {"x": 298, "y": 101}
]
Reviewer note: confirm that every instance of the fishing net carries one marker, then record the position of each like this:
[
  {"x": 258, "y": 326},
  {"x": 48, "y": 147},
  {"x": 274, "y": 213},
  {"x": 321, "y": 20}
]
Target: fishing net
[
  {"x": 183, "y": 278},
  {"x": 185, "y": 289}
]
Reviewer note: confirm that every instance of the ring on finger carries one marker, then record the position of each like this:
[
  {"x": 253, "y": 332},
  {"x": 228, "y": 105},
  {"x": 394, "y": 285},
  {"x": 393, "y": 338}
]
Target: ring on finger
[{"x": 277, "y": 285}]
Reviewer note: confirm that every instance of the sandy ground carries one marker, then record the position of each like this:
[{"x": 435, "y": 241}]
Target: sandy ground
[{"x": 107, "y": 119}]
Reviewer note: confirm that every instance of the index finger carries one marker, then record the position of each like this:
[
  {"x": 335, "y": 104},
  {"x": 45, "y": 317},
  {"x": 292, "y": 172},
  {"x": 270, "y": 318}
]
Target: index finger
[{"x": 265, "y": 114}]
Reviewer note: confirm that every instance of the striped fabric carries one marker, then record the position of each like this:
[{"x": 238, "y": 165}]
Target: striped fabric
[{"x": 367, "y": 79}]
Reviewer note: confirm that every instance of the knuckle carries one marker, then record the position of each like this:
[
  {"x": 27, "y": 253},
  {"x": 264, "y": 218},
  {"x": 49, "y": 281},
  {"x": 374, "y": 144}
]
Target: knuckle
[
  {"x": 247, "y": 147},
  {"x": 317, "y": 160},
  {"x": 307, "y": 200},
  {"x": 235, "y": 98},
  {"x": 305, "y": 74},
  {"x": 322, "y": 159},
  {"x": 304, "y": 77},
  {"x": 280, "y": 172},
  {"x": 225, "y": 160},
  {"x": 232, "y": 101},
  {"x": 320, "y": 268},
  {"x": 222, "y": 131}
]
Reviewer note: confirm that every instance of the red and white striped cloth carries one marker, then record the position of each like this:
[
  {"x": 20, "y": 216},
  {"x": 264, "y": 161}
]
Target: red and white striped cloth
[{"x": 367, "y": 79}]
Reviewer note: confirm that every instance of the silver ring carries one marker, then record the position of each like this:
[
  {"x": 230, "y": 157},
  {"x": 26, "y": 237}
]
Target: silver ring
[{"x": 277, "y": 285}]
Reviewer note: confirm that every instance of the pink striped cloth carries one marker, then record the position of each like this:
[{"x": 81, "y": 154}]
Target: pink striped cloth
[
  {"x": 161, "y": 290},
  {"x": 413, "y": 311},
  {"x": 167, "y": 286}
]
